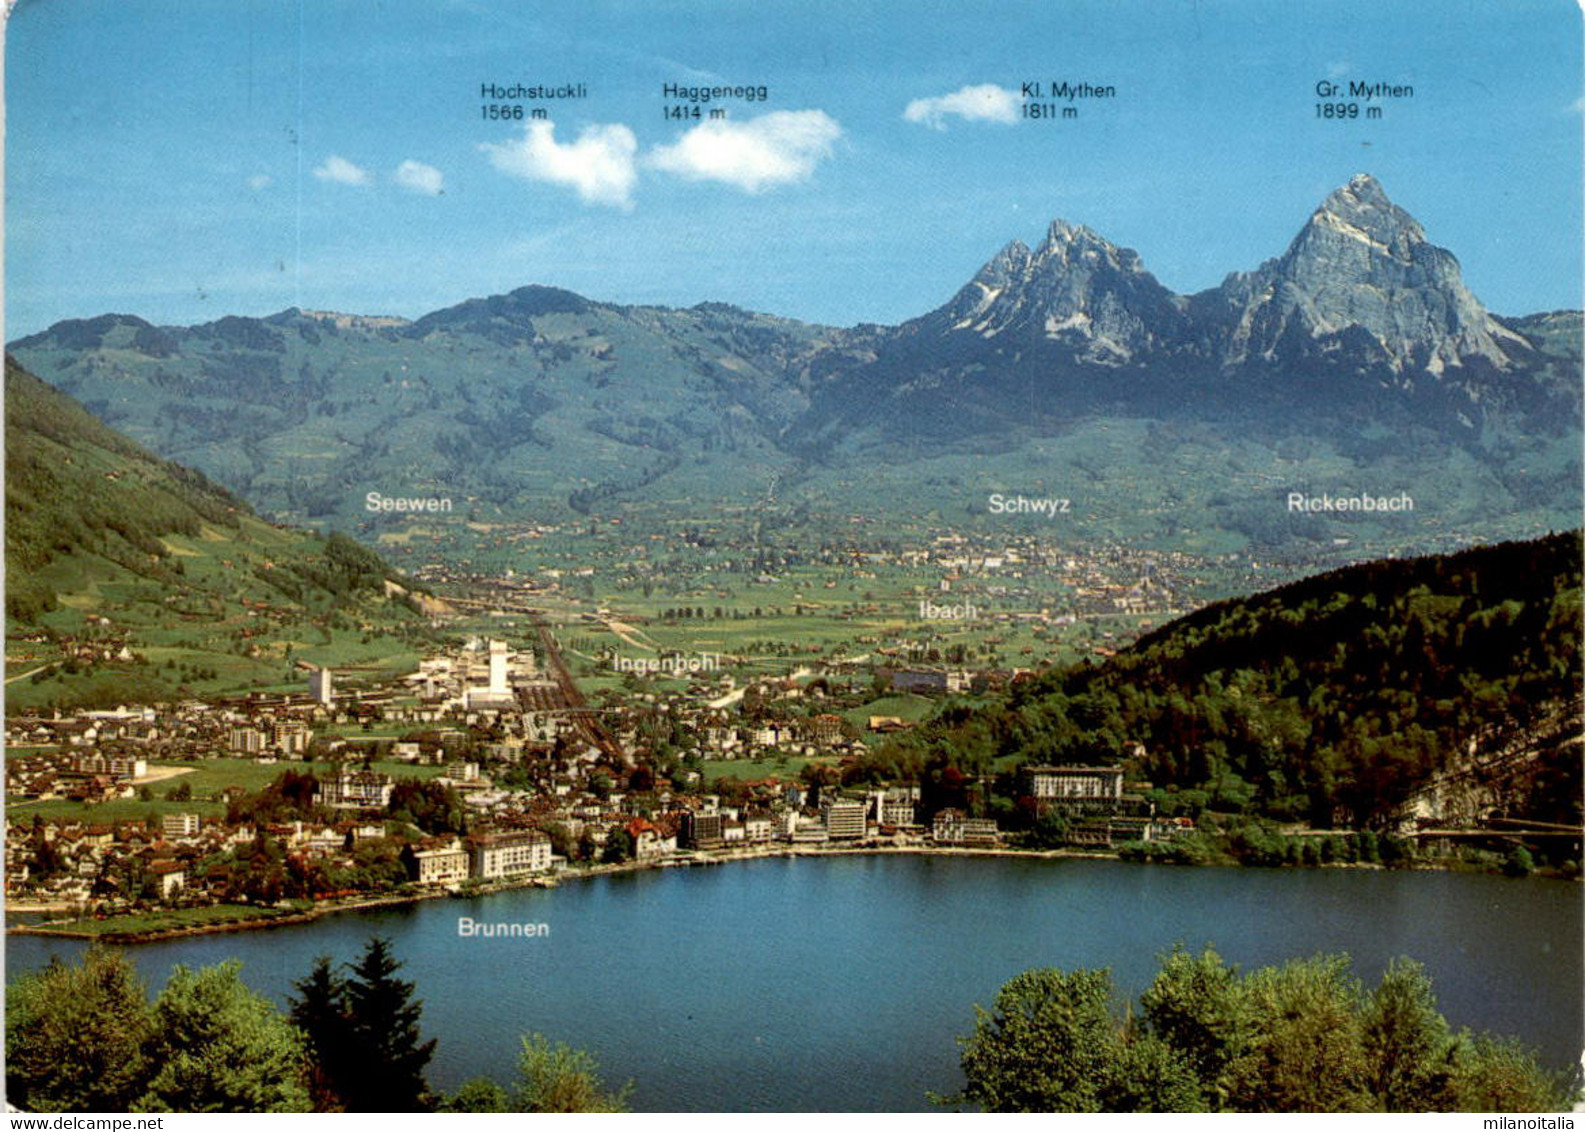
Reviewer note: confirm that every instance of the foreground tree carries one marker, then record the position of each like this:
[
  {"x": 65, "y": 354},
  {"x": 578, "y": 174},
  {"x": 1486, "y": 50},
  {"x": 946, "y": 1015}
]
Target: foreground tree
[
  {"x": 363, "y": 1034},
  {"x": 219, "y": 1047},
  {"x": 1409, "y": 1053},
  {"x": 320, "y": 1013},
  {"x": 1499, "y": 1075},
  {"x": 551, "y": 1077},
  {"x": 1305, "y": 1053},
  {"x": 558, "y": 1078},
  {"x": 74, "y": 1036},
  {"x": 1302, "y": 1037},
  {"x": 84, "y": 1038},
  {"x": 387, "y": 1055},
  {"x": 478, "y": 1095},
  {"x": 1197, "y": 1007},
  {"x": 1047, "y": 1045}
]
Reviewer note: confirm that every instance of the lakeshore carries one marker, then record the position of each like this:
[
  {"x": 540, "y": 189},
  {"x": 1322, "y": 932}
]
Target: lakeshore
[{"x": 262, "y": 919}]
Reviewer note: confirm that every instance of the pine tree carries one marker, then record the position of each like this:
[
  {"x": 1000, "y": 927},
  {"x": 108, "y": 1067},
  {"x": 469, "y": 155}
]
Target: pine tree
[
  {"x": 321, "y": 1013},
  {"x": 386, "y": 1059}
]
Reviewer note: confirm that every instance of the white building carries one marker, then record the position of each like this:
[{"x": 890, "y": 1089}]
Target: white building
[
  {"x": 247, "y": 740},
  {"x": 844, "y": 819},
  {"x": 444, "y": 864},
  {"x": 497, "y": 692},
  {"x": 1076, "y": 784},
  {"x": 954, "y": 827},
  {"x": 514, "y": 853},
  {"x": 179, "y": 825}
]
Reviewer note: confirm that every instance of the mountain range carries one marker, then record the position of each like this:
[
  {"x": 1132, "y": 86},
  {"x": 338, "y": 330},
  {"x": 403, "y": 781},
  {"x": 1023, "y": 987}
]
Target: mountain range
[
  {"x": 1355, "y": 362},
  {"x": 1360, "y": 315}
]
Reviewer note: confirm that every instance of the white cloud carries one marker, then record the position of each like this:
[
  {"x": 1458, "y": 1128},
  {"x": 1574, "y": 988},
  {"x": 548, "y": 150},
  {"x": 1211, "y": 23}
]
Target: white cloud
[
  {"x": 773, "y": 149},
  {"x": 599, "y": 164},
  {"x": 420, "y": 178},
  {"x": 258, "y": 181},
  {"x": 985, "y": 103},
  {"x": 341, "y": 171}
]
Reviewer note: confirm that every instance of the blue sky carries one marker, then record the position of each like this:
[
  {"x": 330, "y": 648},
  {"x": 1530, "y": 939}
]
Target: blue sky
[{"x": 186, "y": 160}]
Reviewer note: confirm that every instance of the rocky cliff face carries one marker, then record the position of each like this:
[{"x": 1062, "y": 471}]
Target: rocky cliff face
[
  {"x": 1361, "y": 263},
  {"x": 1076, "y": 288},
  {"x": 1361, "y": 313}
]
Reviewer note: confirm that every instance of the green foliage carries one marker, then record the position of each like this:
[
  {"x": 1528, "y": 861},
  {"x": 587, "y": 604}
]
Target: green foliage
[
  {"x": 553, "y": 1077},
  {"x": 1302, "y": 1037},
  {"x": 618, "y": 847},
  {"x": 1196, "y": 1006},
  {"x": 319, "y": 1012},
  {"x": 431, "y": 806},
  {"x": 1305, "y": 1053},
  {"x": 1329, "y": 700},
  {"x": 289, "y": 797},
  {"x": 1046, "y": 1046},
  {"x": 480, "y": 1094},
  {"x": 84, "y": 1038},
  {"x": 75, "y": 1036},
  {"x": 1406, "y": 1044},
  {"x": 1148, "y": 1075},
  {"x": 1050, "y": 831},
  {"x": 219, "y": 1047},
  {"x": 363, "y": 1034},
  {"x": 1493, "y": 1074}
]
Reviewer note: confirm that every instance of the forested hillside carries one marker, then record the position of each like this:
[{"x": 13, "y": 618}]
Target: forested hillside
[{"x": 1333, "y": 699}]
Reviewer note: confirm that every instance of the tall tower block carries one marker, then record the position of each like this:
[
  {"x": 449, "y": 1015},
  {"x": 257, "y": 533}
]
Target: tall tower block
[{"x": 498, "y": 683}]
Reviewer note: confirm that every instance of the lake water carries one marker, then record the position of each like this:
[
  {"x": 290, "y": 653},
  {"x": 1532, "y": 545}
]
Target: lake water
[{"x": 841, "y": 983}]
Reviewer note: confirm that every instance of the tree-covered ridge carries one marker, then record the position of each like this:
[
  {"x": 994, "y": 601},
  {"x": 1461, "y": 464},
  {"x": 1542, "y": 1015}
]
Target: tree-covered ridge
[
  {"x": 1333, "y": 699},
  {"x": 1349, "y": 690},
  {"x": 74, "y": 485}
]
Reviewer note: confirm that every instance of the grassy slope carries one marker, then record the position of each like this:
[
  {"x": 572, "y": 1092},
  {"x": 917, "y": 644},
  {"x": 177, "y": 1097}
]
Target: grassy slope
[{"x": 207, "y": 594}]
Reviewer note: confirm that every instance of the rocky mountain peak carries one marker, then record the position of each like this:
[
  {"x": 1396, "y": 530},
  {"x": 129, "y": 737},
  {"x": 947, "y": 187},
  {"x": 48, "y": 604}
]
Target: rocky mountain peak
[
  {"x": 1360, "y": 212},
  {"x": 1361, "y": 263},
  {"x": 1076, "y": 288}
]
